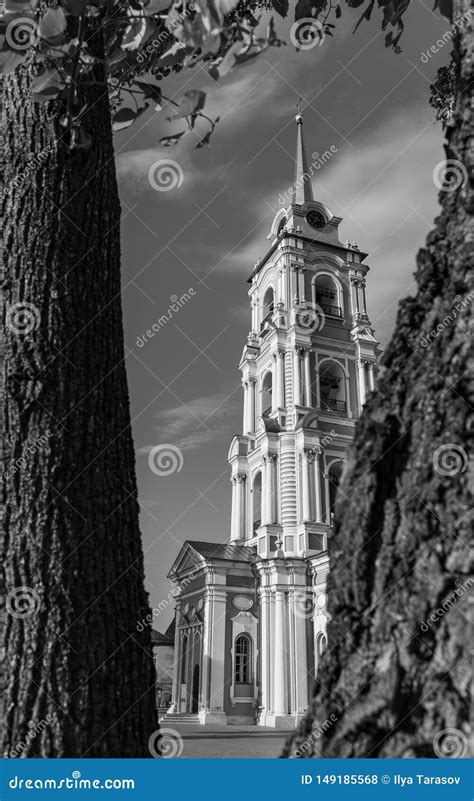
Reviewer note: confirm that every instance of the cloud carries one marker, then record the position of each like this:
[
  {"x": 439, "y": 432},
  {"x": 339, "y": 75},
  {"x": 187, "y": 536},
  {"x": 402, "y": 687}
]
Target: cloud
[{"x": 198, "y": 422}]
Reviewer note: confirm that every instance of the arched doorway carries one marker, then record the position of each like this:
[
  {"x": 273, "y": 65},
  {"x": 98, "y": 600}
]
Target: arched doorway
[{"x": 195, "y": 693}]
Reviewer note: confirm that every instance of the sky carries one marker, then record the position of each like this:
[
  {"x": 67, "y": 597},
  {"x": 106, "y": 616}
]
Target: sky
[{"x": 203, "y": 237}]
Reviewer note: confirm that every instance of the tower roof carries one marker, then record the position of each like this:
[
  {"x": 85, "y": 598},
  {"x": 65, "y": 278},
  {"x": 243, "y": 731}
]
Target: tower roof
[{"x": 301, "y": 191}]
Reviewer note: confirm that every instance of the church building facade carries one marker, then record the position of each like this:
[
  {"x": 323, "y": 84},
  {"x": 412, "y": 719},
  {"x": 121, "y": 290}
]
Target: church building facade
[{"x": 251, "y": 612}]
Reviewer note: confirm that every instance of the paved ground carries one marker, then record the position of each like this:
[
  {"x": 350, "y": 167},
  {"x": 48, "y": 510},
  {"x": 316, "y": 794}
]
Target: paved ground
[{"x": 237, "y": 742}]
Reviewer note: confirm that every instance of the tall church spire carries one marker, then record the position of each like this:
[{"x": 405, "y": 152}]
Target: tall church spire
[{"x": 301, "y": 191}]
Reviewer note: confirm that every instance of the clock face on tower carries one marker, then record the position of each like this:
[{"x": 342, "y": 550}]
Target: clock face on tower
[{"x": 316, "y": 219}]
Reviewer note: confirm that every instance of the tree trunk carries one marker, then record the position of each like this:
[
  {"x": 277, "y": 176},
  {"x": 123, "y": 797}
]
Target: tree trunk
[
  {"x": 79, "y": 677},
  {"x": 395, "y": 679}
]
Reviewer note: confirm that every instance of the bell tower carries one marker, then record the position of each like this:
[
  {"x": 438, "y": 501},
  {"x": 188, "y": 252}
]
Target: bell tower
[{"x": 308, "y": 364}]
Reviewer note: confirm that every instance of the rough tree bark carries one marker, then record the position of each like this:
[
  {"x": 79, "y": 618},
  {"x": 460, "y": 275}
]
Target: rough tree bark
[
  {"x": 77, "y": 672},
  {"x": 393, "y": 680}
]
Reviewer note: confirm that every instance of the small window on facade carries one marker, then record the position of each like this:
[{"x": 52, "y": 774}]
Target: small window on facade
[{"x": 243, "y": 655}]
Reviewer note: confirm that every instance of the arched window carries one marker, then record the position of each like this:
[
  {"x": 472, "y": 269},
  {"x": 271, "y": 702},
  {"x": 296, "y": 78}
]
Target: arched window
[
  {"x": 257, "y": 502},
  {"x": 268, "y": 303},
  {"x": 320, "y": 647},
  {"x": 328, "y": 296},
  {"x": 243, "y": 660},
  {"x": 267, "y": 394},
  {"x": 282, "y": 225},
  {"x": 335, "y": 472},
  {"x": 332, "y": 387}
]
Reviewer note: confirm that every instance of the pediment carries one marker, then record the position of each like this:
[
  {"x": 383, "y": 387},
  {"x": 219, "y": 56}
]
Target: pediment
[{"x": 187, "y": 561}]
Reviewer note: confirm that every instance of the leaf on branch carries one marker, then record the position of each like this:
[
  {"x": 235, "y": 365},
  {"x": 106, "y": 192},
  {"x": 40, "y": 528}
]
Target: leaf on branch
[
  {"x": 365, "y": 15},
  {"x": 309, "y": 8},
  {"x": 46, "y": 86},
  {"x": 281, "y": 7},
  {"x": 156, "y": 6},
  {"x": 75, "y": 8},
  {"x": 445, "y": 7},
  {"x": 338, "y": 12},
  {"x": 224, "y": 7},
  {"x": 204, "y": 141},
  {"x": 151, "y": 91},
  {"x": 138, "y": 32},
  {"x": 224, "y": 65},
  {"x": 53, "y": 26},
  {"x": 191, "y": 102},
  {"x": 173, "y": 139},
  {"x": 272, "y": 37},
  {"x": 174, "y": 56},
  {"x": 126, "y": 117}
]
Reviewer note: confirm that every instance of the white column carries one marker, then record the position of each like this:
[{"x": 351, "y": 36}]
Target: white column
[
  {"x": 274, "y": 385},
  {"x": 300, "y": 599},
  {"x": 362, "y": 387},
  {"x": 269, "y": 489},
  {"x": 251, "y": 402},
  {"x": 371, "y": 376},
  {"x": 245, "y": 422},
  {"x": 296, "y": 377},
  {"x": 238, "y": 507},
  {"x": 307, "y": 379},
  {"x": 214, "y": 652},
  {"x": 327, "y": 499},
  {"x": 306, "y": 466},
  {"x": 363, "y": 297},
  {"x": 264, "y": 653},
  {"x": 241, "y": 479},
  {"x": 234, "y": 513},
  {"x": 294, "y": 284},
  {"x": 301, "y": 293},
  {"x": 254, "y": 306},
  {"x": 280, "y": 694},
  {"x": 177, "y": 661},
  {"x": 318, "y": 515},
  {"x": 356, "y": 283},
  {"x": 280, "y": 388}
]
